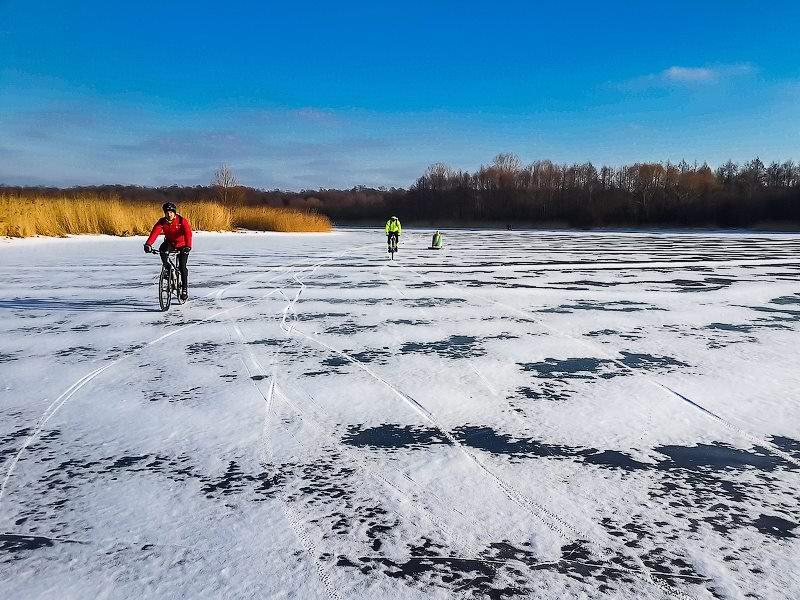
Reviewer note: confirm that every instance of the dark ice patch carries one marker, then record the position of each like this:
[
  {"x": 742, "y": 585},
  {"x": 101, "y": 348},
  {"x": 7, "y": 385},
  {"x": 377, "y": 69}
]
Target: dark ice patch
[
  {"x": 79, "y": 350},
  {"x": 456, "y": 346},
  {"x": 214, "y": 283},
  {"x": 7, "y": 357},
  {"x": 572, "y": 368},
  {"x": 408, "y": 322},
  {"x": 592, "y": 283},
  {"x": 329, "y": 483},
  {"x": 335, "y": 361},
  {"x": 605, "y": 368},
  {"x": 784, "y": 300},
  {"x": 8, "y": 442},
  {"x": 617, "y": 460},
  {"x": 376, "y": 355},
  {"x": 717, "y": 456},
  {"x": 707, "y": 284},
  {"x": 235, "y": 481},
  {"x": 231, "y": 481},
  {"x": 602, "y": 332},
  {"x": 788, "y": 445},
  {"x": 487, "y": 439},
  {"x": 777, "y": 316},
  {"x": 546, "y": 391},
  {"x": 391, "y": 436},
  {"x": 173, "y": 397},
  {"x": 717, "y": 485},
  {"x": 430, "y": 302},
  {"x": 502, "y": 336},
  {"x": 320, "y": 316},
  {"x": 87, "y": 327},
  {"x": 176, "y": 322},
  {"x": 650, "y": 361},
  {"x": 775, "y": 526},
  {"x": 202, "y": 348},
  {"x": 63, "y": 477},
  {"x": 741, "y": 328},
  {"x": 267, "y": 342},
  {"x": 354, "y": 284},
  {"x": 367, "y": 301},
  {"x": 349, "y": 328},
  {"x": 15, "y": 546},
  {"x": 613, "y": 306},
  {"x": 505, "y": 570},
  {"x": 635, "y": 334}
]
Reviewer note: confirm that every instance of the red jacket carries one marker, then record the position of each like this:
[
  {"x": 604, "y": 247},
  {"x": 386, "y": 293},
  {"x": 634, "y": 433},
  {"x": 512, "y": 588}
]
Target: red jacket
[{"x": 178, "y": 233}]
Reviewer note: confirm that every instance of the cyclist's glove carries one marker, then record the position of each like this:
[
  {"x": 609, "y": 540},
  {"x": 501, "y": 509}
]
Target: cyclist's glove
[
  {"x": 148, "y": 248},
  {"x": 185, "y": 250}
]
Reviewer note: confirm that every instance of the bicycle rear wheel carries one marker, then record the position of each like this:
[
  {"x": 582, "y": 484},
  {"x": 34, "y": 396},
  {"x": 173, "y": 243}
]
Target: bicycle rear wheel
[{"x": 164, "y": 289}]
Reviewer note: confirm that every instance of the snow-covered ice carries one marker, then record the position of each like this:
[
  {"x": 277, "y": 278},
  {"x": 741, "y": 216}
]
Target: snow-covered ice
[{"x": 520, "y": 415}]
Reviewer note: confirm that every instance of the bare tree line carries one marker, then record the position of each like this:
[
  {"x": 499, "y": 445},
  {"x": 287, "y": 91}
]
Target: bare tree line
[
  {"x": 509, "y": 192},
  {"x": 637, "y": 194}
]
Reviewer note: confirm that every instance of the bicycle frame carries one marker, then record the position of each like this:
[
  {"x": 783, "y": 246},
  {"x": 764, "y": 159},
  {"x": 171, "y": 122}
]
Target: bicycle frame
[{"x": 169, "y": 282}]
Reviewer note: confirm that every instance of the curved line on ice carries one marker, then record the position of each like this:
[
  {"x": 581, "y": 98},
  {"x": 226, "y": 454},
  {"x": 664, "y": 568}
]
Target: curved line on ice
[
  {"x": 521, "y": 499},
  {"x": 601, "y": 350},
  {"x": 59, "y": 402}
]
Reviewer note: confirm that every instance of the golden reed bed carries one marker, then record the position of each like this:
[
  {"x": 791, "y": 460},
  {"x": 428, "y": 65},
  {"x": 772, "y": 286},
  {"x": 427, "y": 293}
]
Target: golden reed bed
[{"x": 25, "y": 216}]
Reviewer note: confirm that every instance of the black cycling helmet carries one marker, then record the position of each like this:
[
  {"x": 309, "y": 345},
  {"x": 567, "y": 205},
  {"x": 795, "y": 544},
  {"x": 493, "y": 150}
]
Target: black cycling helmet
[{"x": 169, "y": 206}]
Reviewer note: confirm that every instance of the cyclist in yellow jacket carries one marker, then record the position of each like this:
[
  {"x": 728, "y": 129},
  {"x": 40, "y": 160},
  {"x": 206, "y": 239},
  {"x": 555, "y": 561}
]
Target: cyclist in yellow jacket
[{"x": 393, "y": 230}]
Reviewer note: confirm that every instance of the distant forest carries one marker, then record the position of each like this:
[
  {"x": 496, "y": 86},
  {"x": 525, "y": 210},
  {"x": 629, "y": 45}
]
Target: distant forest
[{"x": 510, "y": 193}]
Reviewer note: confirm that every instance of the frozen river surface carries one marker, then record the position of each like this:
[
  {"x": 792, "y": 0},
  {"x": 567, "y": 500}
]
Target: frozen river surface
[{"x": 521, "y": 415}]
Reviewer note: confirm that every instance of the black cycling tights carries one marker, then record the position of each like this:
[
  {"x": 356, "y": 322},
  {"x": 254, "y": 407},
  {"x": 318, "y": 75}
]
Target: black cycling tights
[{"x": 183, "y": 258}]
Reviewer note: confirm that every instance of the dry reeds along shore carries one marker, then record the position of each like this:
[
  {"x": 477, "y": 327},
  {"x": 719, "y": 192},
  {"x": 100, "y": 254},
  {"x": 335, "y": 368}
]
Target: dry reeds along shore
[{"x": 22, "y": 216}]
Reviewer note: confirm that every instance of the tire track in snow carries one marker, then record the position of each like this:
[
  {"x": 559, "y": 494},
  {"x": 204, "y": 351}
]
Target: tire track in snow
[
  {"x": 67, "y": 394},
  {"x": 548, "y": 518},
  {"x": 289, "y": 513},
  {"x": 48, "y": 414},
  {"x": 645, "y": 573},
  {"x": 274, "y": 392},
  {"x": 268, "y": 396},
  {"x": 605, "y": 353}
]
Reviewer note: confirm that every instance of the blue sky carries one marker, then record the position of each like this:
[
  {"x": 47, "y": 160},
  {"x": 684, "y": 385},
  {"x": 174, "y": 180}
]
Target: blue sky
[{"x": 335, "y": 94}]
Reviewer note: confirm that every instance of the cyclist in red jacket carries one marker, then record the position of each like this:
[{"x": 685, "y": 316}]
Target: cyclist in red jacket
[{"x": 177, "y": 236}]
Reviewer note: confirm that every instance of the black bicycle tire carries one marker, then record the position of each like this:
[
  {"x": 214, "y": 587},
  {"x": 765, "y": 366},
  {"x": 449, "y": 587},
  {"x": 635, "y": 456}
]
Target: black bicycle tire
[{"x": 164, "y": 292}]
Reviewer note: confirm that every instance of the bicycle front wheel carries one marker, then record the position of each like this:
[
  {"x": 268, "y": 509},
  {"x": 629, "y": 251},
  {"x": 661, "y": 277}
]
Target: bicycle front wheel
[{"x": 164, "y": 289}]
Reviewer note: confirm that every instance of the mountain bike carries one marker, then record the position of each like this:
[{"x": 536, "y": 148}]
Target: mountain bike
[
  {"x": 169, "y": 282},
  {"x": 392, "y": 246}
]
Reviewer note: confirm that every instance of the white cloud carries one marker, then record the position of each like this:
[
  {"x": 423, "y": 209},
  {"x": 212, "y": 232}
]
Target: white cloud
[
  {"x": 689, "y": 74},
  {"x": 682, "y": 75}
]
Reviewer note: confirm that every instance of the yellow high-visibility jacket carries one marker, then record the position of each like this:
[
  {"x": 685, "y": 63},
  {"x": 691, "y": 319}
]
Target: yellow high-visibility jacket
[{"x": 393, "y": 226}]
